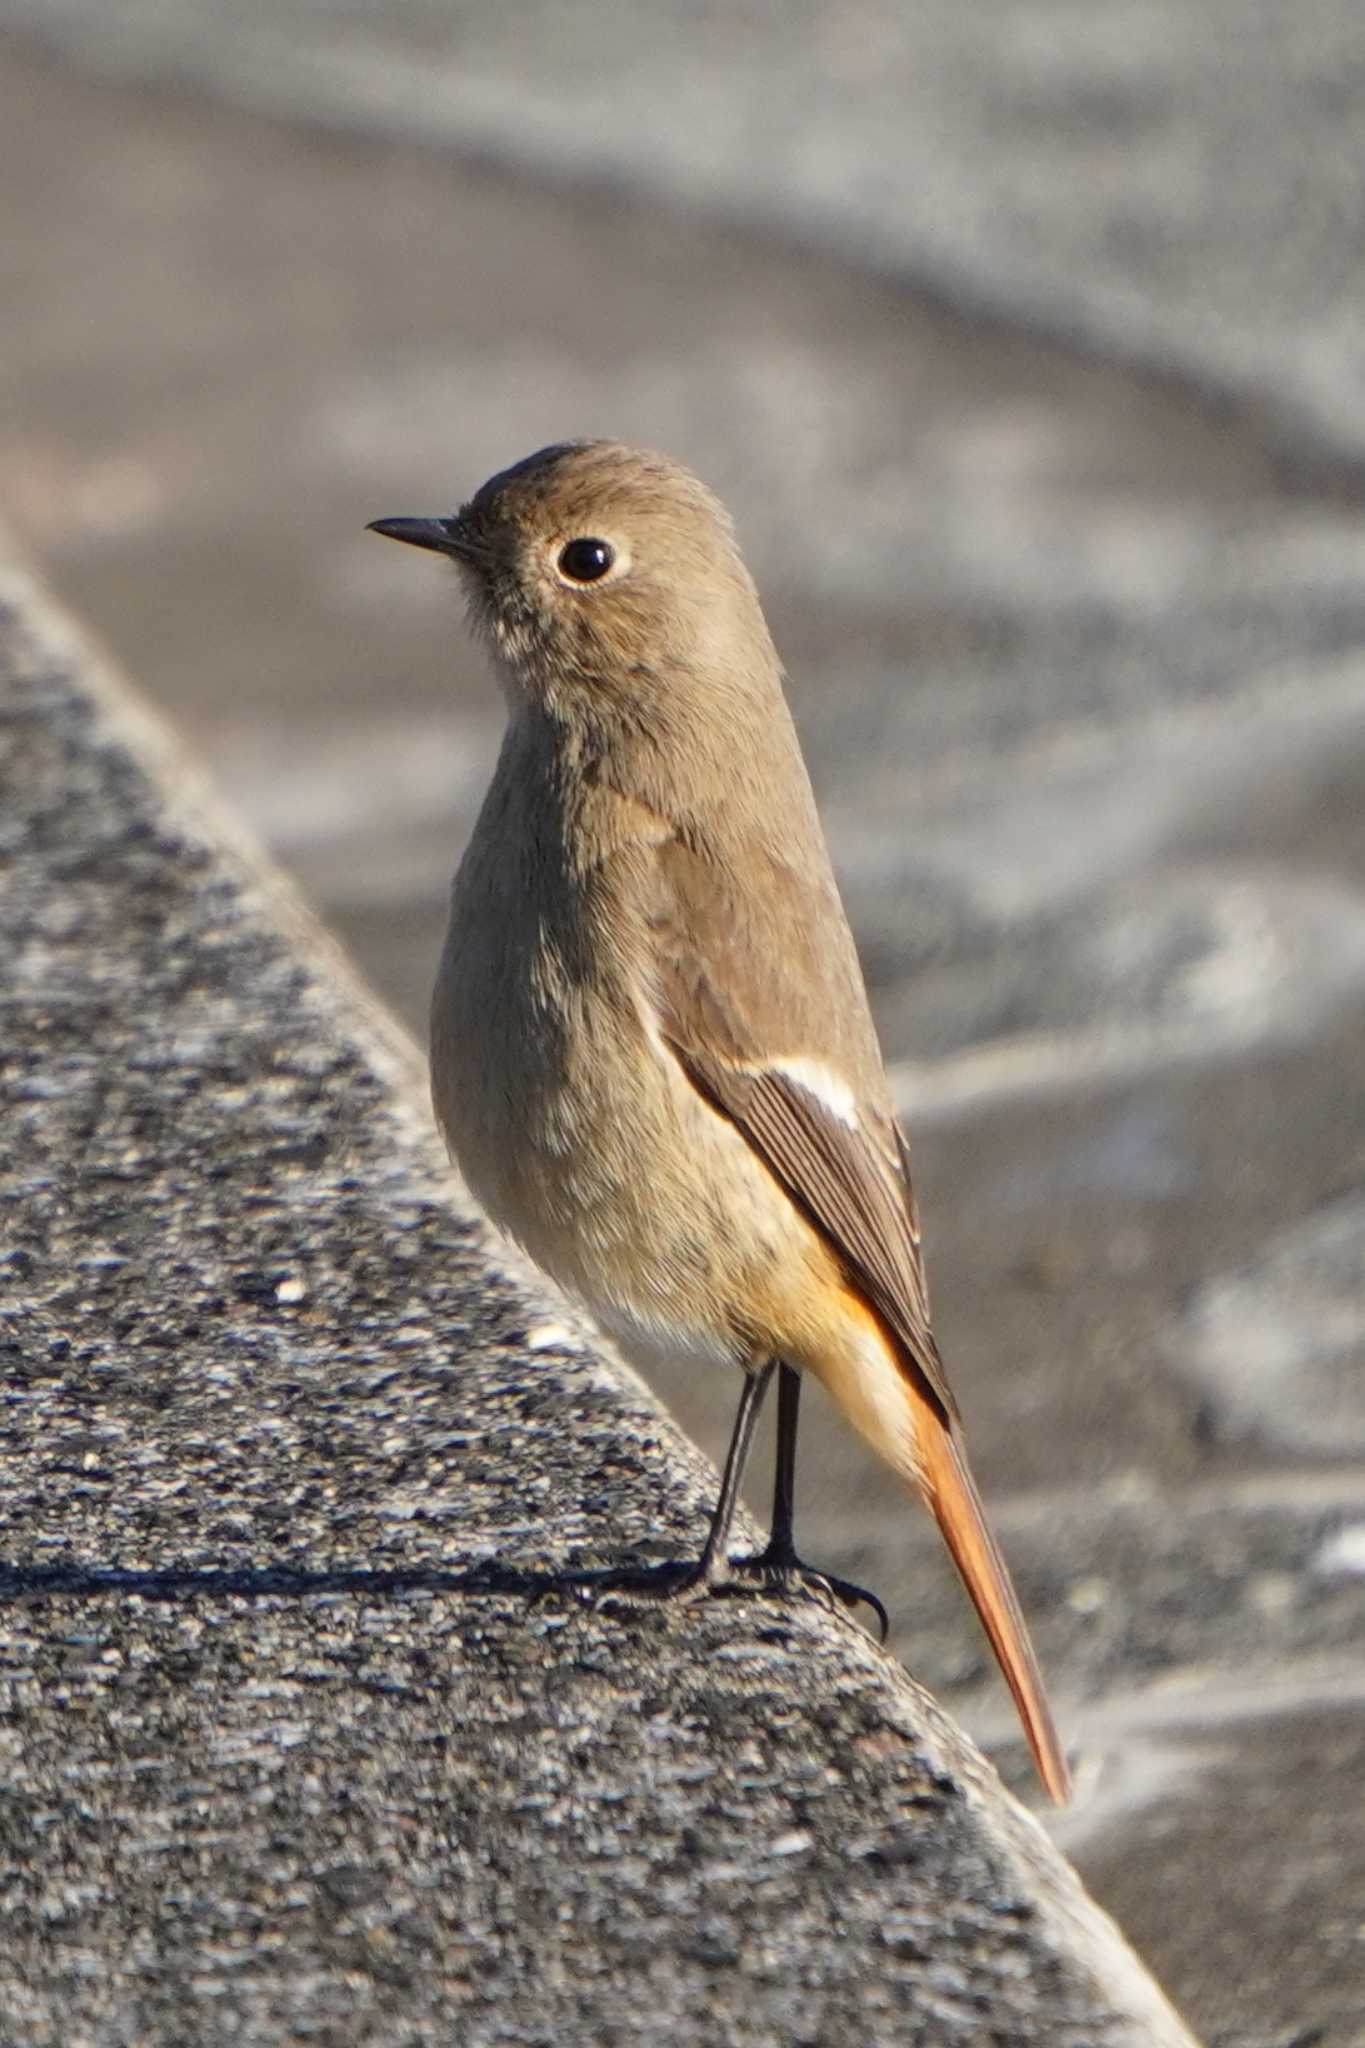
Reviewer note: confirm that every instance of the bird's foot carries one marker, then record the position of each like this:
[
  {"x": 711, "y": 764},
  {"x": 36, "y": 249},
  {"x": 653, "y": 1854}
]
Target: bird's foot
[
  {"x": 775, "y": 1570},
  {"x": 778, "y": 1569},
  {"x": 670, "y": 1579}
]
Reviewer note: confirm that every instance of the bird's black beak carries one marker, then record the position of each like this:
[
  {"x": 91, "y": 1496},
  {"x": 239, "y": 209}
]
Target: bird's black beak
[{"x": 442, "y": 536}]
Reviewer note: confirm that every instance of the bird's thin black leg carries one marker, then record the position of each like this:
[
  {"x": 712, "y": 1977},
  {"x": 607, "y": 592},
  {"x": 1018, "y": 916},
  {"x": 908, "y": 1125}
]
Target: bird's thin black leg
[
  {"x": 711, "y": 1564},
  {"x": 778, "y": 1565},
  {"x": 782, "y": 1539},
  {"x": 672, "y": 1580},
  {"x": 777, "y": 1568}
]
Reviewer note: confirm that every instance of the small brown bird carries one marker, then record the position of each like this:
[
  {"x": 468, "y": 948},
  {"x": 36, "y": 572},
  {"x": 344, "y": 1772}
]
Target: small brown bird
[{"x": 652, "y": 1053}]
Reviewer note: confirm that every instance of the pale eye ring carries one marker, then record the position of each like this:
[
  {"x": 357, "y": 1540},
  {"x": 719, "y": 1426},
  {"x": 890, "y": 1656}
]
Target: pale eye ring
[{"x": 585, "y": 559}]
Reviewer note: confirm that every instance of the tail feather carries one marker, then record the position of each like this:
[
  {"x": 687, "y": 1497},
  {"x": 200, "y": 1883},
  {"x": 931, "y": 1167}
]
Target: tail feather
[
  {"x": 891, "y": 1404},
  {"x": 951, "y": 1493}
]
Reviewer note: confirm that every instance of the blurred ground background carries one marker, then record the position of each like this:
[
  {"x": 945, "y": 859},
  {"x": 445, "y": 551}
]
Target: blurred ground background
[{"x": 1025, "y": 342}]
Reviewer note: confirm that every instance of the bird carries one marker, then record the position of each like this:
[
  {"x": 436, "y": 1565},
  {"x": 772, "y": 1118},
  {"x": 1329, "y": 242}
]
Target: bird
[{"x": 652, "y": 1052}]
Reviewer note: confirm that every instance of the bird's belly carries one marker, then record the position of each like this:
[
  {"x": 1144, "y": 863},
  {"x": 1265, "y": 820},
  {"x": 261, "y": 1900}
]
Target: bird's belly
[{"x": 620, "y": 1181}]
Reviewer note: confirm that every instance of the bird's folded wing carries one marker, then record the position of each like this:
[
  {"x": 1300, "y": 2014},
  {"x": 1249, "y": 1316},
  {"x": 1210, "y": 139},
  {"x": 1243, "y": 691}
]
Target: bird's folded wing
[{"x": 732, "y": 1003}]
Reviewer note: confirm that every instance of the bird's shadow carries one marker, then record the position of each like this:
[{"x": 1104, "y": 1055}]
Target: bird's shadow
[
  {"x": 674, "y": 1583},
  {"x": 25, "y": 1583}
]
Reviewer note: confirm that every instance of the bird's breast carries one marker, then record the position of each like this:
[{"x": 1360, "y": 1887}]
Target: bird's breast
[{"x": 578, "y": 1132}]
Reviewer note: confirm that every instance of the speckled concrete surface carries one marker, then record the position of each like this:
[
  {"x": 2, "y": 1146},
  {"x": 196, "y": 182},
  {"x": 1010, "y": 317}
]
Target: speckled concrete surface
[{"x": 305, "y": 1738}]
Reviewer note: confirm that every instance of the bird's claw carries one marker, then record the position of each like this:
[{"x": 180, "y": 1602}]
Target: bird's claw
[
  {"x": 668, "y": 1580},
  {"x": 780, "y": 1571},
  {"x": 767, "y": 1571}
]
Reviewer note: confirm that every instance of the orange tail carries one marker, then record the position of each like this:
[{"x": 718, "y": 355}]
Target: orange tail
[
  {"x": 951, "y": 1492},
  {"x": 886, "y": 1398}
]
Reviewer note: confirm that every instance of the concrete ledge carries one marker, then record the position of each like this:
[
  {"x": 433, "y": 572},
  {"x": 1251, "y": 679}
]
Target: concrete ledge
[{"x": 298, "y": 1740}]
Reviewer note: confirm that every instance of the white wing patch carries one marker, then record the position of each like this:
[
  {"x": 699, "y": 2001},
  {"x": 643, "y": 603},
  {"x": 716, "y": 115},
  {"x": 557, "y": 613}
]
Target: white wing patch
[
  {"x": 829, "y": 1089},
  {"x": 812, "y": 1077}
]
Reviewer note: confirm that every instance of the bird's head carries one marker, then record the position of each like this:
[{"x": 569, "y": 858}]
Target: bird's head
[{"x": 603, "y": 575}]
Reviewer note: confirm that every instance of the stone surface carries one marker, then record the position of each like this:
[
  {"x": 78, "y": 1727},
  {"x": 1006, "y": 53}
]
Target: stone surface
[
  {"x": 306, "y": 1734},
  {"x": 1076, "y": 656}
]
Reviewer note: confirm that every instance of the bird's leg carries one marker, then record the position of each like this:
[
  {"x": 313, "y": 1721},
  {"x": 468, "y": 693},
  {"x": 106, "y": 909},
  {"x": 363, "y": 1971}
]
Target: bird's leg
[
  {"x": 778, "y": 1565},
  {"x": 781, "y": 1538},
  {"x": 777, "y": 1568},
  {"x": 670, "y": 1581},
  {"x": 711, "y": 1565}
]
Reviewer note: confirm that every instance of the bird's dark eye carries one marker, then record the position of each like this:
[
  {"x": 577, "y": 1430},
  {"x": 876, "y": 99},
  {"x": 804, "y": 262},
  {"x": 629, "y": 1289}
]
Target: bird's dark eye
[{"x": 584, "y": 561}]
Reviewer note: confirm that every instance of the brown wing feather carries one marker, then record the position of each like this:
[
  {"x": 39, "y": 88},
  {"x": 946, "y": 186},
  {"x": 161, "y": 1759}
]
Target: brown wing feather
[{"x": 728, "y": 1011}]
